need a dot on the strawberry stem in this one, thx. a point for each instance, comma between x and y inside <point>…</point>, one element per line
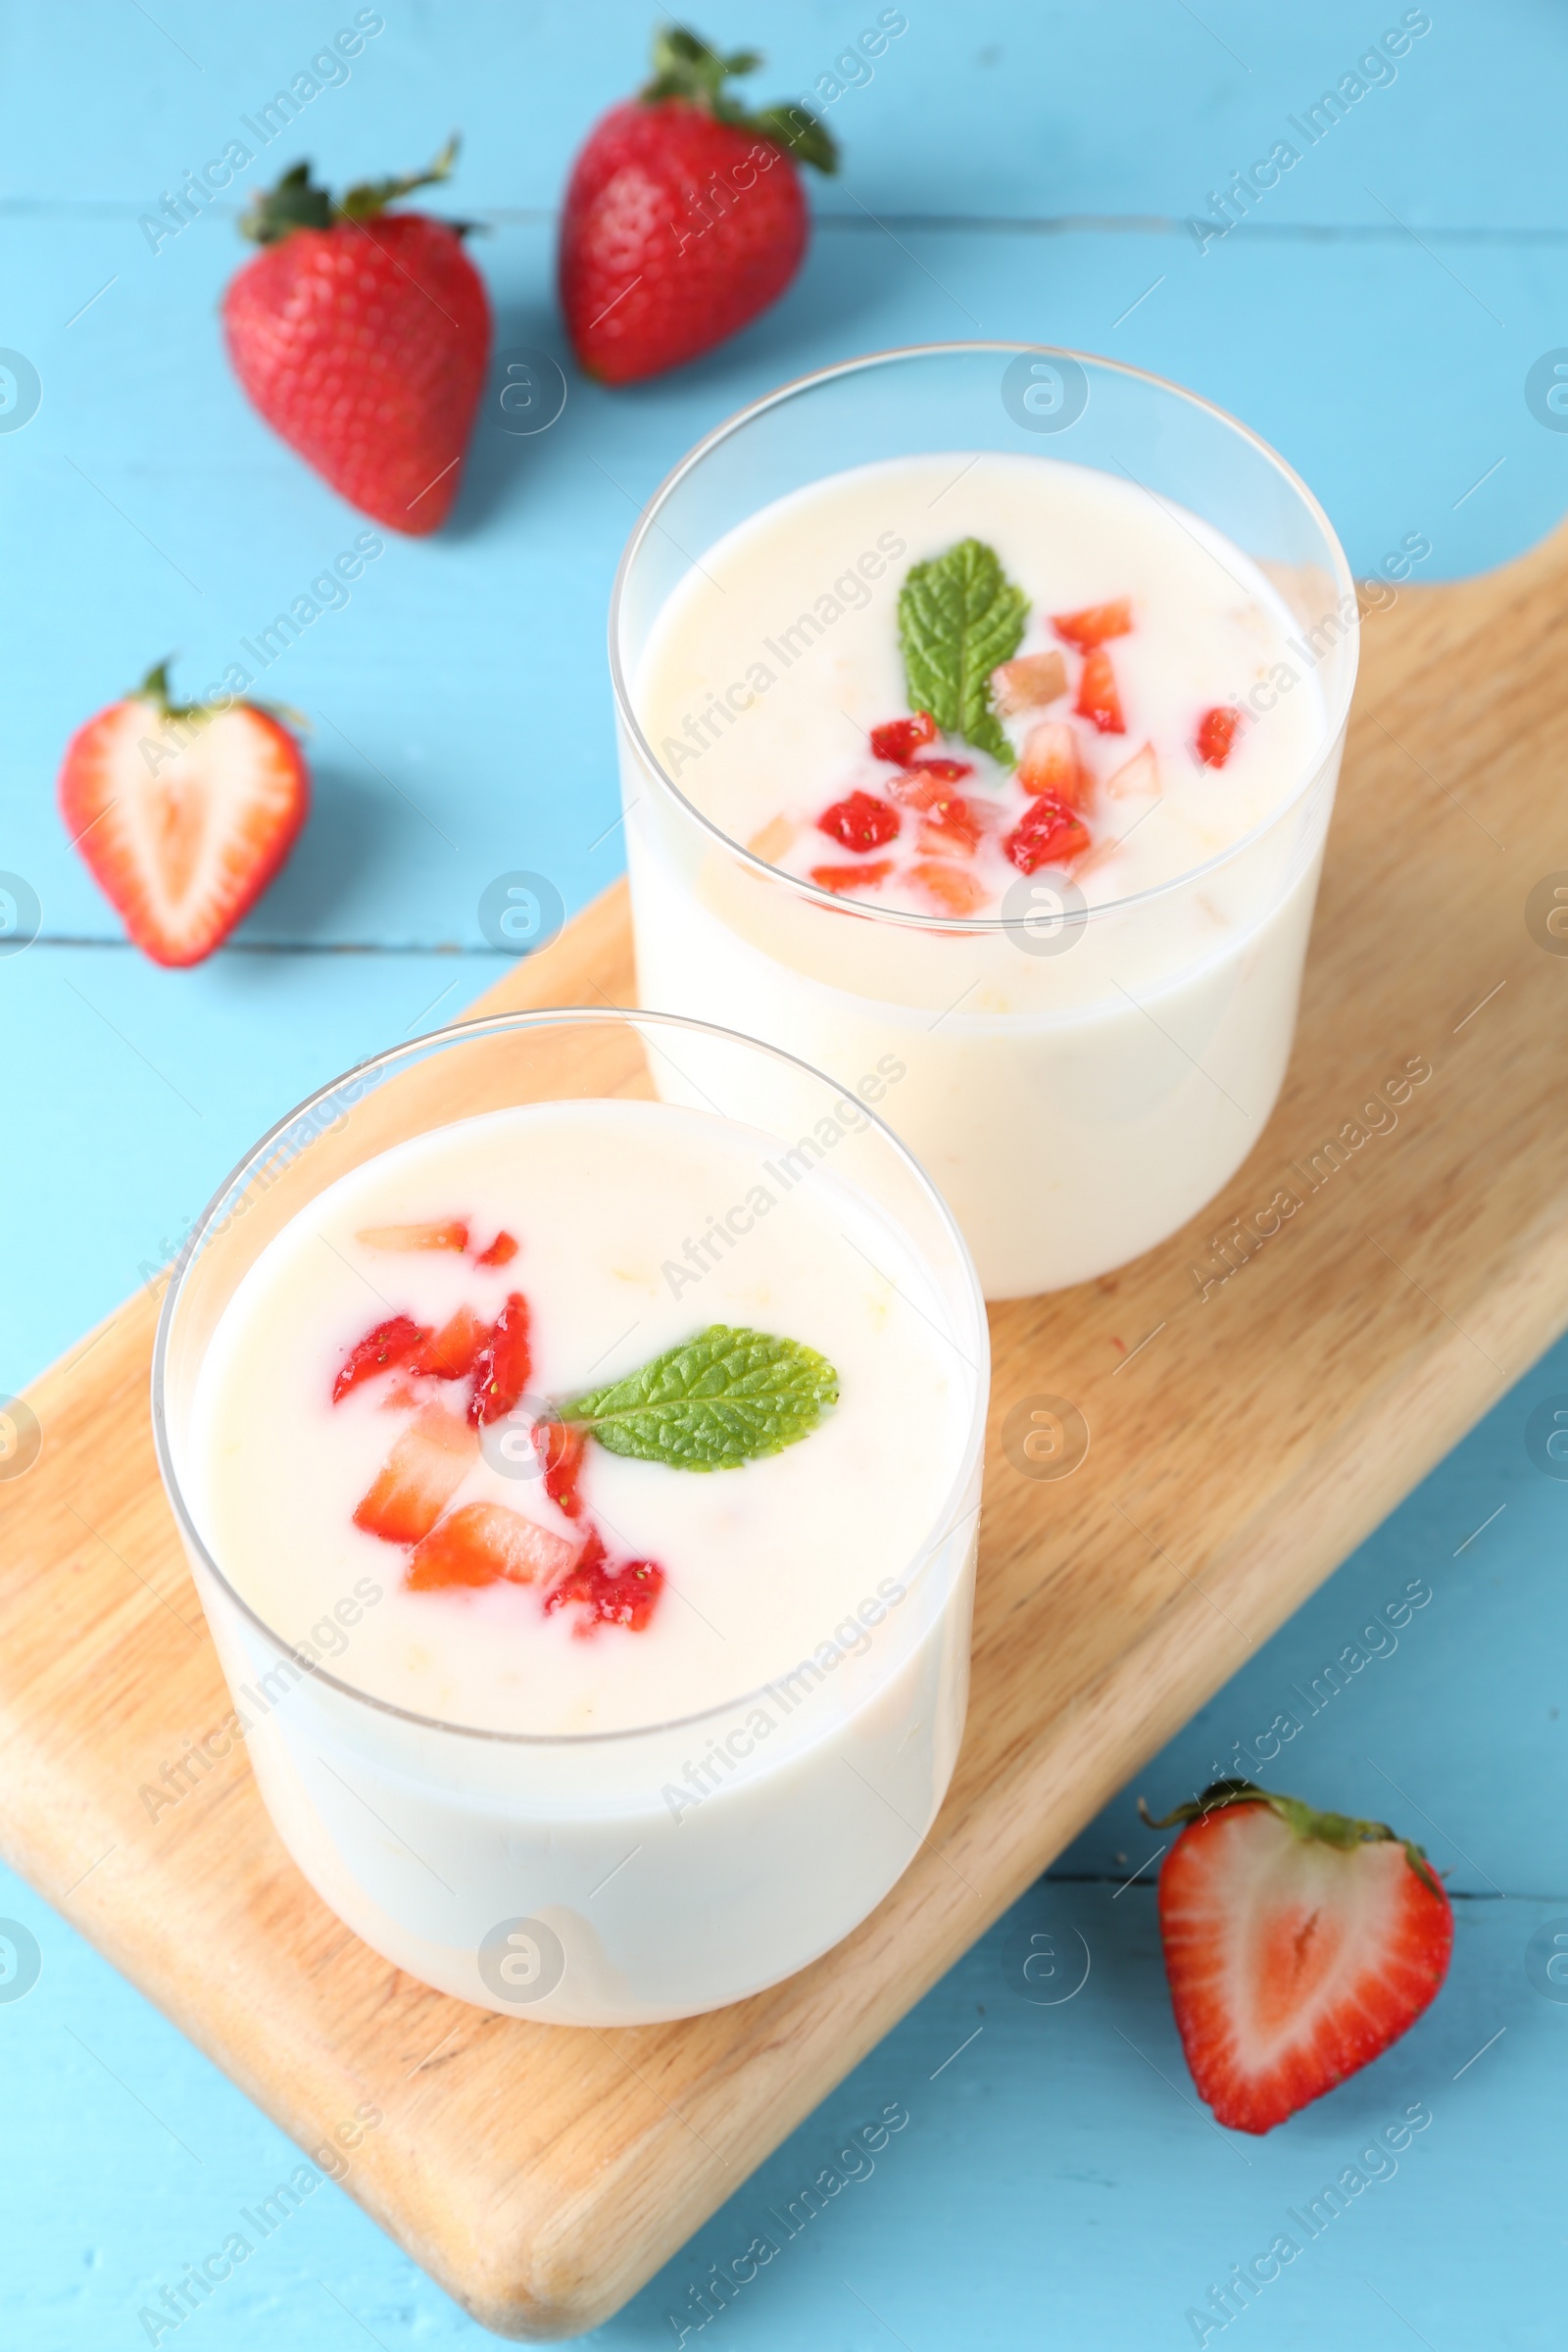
<point>1340,1830</point>
<point>298,203</point>
<point>687,69</point>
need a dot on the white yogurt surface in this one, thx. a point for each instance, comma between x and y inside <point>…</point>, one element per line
<point>610,1202</point>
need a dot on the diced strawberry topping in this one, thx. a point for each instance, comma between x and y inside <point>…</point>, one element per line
<point>1216,734</point>
<point>955,891</point>
<point>454,1234</point>
<point>925,781</point>
<point>1050,763</point>
<point>561,1447</point>
<point>1136,777</point>
<point>484,1542</point>
<point>1098,697</point>
<point>450,1354</point>
<point>608,1595</point>
<point>900,738</point>
<point>952,826</point>
<point>860,822</point>
<point>502,1364</point>
<point>500,1252</point>
<point>390,1342</point>
<point>1049,833</point>
<point>1028,684</point>
<point>852,877</point>
<point>422,1472</point>
<point>1095,623</point>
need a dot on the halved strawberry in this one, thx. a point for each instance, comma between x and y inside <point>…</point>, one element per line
<point>1094,623</point>
<point>450,1353</point>
<point>1098,697</point>
<point>422,1472</point>
<point>502,1366</point>
<point>1049,833</point>
<point>1217,731</point>
<point>841,878</point>
<point>500,1252</point>
<point>955,891</point>
<point>900,738</point>
<point>390,1342</point>
<point>1299,1945</point>
<point>1050,763</point>
<point>484,1542</point>
<point>1028,684</point>
<point>452,1235</point>
<point>608,1595</point>
<point>860,823</point>
<point>561,1447</point>
<point>184,813</point>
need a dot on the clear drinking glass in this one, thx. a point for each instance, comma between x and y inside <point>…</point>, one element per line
<point>554,1877</point>
<point>1079,1080</point>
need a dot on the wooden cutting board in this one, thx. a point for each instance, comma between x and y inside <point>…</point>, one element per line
<point>1248,1424</point>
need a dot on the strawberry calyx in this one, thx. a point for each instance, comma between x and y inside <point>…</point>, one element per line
<point>296,202</point>
<point>687,69</point>
<point>1339,1829</point>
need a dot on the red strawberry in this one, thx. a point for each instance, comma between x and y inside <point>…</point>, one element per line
<point>502,1366</point>
<point>1299,1945</point>
<point>900,738</point>
<point>362,336</point>
<point>684,215</point>
<point>1098,697</point>
<point>1029,683</point>
<point>1047,834</point>
<point>500,1252</point>
<point>1049,762</point>
<point>390,1342</point>
<point>451,1354</point>
<point>953,890</point>
<point>1094,624</point>
<point>483,1543</point>
<point>860,822</point>
<point>952,826</point>
<point>839,879</point>
<point>184,813</point>
<point>608,1595</point>
<point>1216,734</point>
<point>453,1234</point>
<point>560,1447</point>
<point>422,1472</point>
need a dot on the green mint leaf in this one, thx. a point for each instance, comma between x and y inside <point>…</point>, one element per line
<point>717,1400</point>
<point>958,617</point>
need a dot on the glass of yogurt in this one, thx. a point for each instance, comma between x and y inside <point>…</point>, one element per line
<point>981,707</point>
<point>581,1486</point>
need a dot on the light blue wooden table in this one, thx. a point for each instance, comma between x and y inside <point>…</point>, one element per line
<point>1012,170</point>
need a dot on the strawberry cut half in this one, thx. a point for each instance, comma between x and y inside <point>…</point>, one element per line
<point>182,814</point>
<point>1094,624</point>
<point>452,1235</point>
<point>607,1595</point>
<point>1298,1945</point>
<point>500,1252</point>
<point>1217,731</point>
<point>422,1472</point>
<point>1098,697</point>
<point>1049,833</point>
<point>449,1354</point>
<point>899,739</point>
<point>502,1364</point>
<point>390,1343</point>
<point>860,823</point>
<point>561,1447</point>
<point>486,1543</point>
<point>839,879</point>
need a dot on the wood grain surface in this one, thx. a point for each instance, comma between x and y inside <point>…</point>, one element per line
<point>1249,1423</point>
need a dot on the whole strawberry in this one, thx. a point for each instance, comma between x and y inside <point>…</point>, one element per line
<point>362,336</point>
<point>1297,1947</point>
<point>684,216</point>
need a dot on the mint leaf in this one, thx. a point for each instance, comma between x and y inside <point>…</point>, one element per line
<point>716,1401</point>
<point>958,617</point>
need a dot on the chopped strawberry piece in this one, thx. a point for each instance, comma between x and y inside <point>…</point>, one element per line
<point>1098,697</point>
<point>955,891</point>
<point>1094,624</point>
<point>852,877</point>
<point>483,1544</point>
<point>900,738</point>
<point>952,826</point>
<point>1050,763</point>
<point>422,1472</point>
<point>561,1447</point>
<point>926,781</point>
<point>1029,683</point>
<point>454,1234</point>
<point>860,822</point>
<point>608,1595</point>
<point>1216,734</point>
<point>1049,833</point>
<point>390,1342</point>
<point>1136,777</point>
<point>450,1354</point>
<point>502,1366</point>
<point>500,1252</point>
